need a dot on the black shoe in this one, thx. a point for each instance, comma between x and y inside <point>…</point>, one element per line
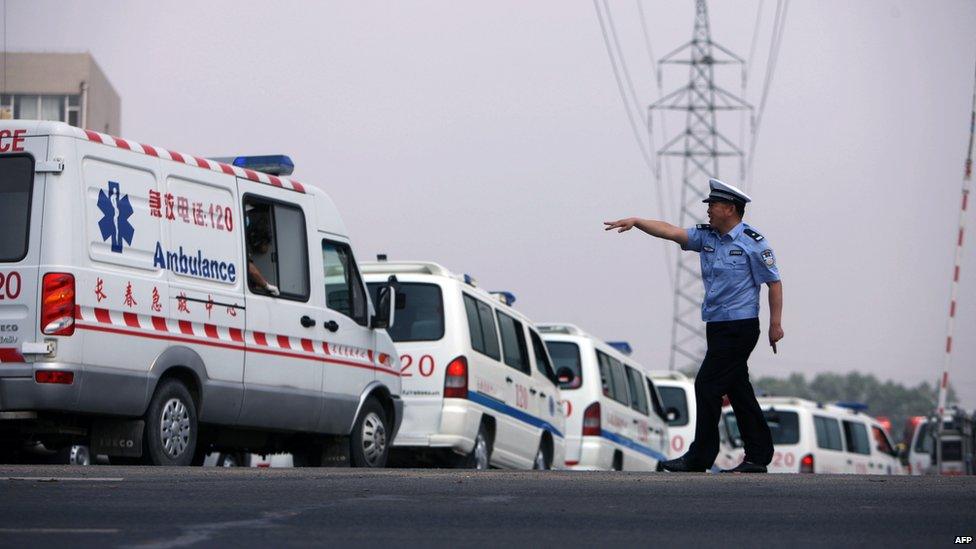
<point>681,465</point>
<point>746,467</point>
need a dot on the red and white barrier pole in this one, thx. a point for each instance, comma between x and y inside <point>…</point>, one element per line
<point>954,288</point>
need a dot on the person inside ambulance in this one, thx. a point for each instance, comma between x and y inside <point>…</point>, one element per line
<point>258,246</point>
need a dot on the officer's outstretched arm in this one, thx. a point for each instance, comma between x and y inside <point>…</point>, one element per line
<point>652,227</point>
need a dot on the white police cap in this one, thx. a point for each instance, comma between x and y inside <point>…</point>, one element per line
<point>724,192</point>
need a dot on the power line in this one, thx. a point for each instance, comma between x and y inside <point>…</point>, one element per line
<point>620,88</point>
<point>626,102</point>
<point>776,40</point>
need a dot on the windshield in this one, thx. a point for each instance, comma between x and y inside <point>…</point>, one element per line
<point>674,397</point>
<point>923,443</point>
<point>419,312</point>
<point>16,182</point>
<point>566,355</point>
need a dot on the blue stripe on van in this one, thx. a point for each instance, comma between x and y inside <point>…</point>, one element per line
<point>499,406</point>
<point>624,441</point>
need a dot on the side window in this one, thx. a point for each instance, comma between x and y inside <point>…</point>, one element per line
<point>638,398</point>
<point>481,326</point>
<point>828,433</point>
<point>513,343</point>
<point>277,249</point>
<point>489,331</point>
<point>474,324</point>
<point>621,391</point>
<point>675,397</point>
<point>606,381</point>
<point>655,400</point>
<point>542,362</point>
<point>856,436</point>
<point>344,292</point>
<point>881,441</point>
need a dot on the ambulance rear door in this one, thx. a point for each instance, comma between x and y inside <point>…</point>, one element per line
<point>23,176</point>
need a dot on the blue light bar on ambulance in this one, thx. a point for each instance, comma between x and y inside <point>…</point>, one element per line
<point>856,406</point>
<point>621,346</point>
<point>273,164</point>
<point>508,298</point>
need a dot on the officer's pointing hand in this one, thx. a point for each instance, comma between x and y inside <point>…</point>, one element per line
<point>621,224</point>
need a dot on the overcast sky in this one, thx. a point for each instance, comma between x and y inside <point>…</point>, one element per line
<point>490,137</point>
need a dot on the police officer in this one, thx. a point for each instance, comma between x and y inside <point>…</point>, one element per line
<point>735,261</point>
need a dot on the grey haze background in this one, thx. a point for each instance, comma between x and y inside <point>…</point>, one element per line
<point>490,137</point>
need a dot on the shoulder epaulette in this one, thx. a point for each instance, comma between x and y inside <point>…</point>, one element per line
<point>753,234</point>
<point>704,226</point>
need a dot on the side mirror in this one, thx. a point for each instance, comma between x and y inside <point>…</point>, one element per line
<point>565,376</point>
<point>672,415</point>
<point>386,307</point>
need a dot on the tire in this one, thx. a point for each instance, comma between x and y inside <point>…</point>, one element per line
<point>370,440</point>
<point>541,461</point>
<point>618,462</point>
<point>171,426</point>
<point>79,455</point>
<point>480,456</point>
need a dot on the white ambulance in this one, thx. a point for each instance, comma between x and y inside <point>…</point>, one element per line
<point>478,386</point>
<point>614,418</point>
<point>678,396</point>
<point>811,437</point>
<point>158,306</point>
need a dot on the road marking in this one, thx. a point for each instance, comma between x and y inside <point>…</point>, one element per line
<point>68,479</point>
<point>59,530</point>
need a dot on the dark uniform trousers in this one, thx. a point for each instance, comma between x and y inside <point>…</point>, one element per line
<point>725,372</point>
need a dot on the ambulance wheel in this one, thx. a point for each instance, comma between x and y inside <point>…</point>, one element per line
<point>370,441</point>
<point>480,456</point>
<point>171,426</point>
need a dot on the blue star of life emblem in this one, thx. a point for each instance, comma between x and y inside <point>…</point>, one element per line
<point>114,223</point>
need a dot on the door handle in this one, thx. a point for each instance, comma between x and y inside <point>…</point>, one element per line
<point>849,462</point>
<point>533,391</point>
<point>508,380</point>
<point>543,395</point>
<point>635,421</point>
<point>307,322</point>
<point>331,325</point>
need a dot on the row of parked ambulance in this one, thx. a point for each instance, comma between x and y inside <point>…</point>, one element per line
<point>158,307</point>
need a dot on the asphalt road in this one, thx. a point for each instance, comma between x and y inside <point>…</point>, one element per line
<point>207,507</point>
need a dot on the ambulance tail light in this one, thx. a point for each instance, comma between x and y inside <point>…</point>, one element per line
<point>456,379</point>
<point>806,464</point>
<point>591,420</point>
<point>58,304</point>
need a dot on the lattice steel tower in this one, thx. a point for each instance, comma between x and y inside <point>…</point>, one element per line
<point>703,148</point>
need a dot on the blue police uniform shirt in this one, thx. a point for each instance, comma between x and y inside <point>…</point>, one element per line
<point>734,266</point>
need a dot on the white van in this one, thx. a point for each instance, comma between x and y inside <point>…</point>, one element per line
<point>811,437</point>
<point>478,386</point>
<point>921,452</point>
<point>678,395</point>
<point>614,418</point>
<point>158,306</point>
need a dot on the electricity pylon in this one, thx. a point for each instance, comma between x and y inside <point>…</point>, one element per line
<point>702,148</point>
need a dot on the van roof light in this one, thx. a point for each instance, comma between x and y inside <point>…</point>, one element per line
<point>621,346</point>
<point>470,280</point>
<point>508,298</point>
<point>273,164</point>
<point>855,406</point>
